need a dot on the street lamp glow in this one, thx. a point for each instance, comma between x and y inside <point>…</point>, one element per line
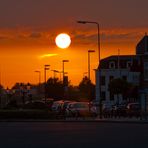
<point>63,40</point>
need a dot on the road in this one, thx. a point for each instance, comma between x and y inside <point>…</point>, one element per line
<point>73,135</point>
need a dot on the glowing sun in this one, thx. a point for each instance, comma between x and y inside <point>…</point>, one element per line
<point>63,40</point>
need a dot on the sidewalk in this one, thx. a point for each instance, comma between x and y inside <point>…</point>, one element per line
<point>123,120</point>
<point>97,119</point>
<point>109,120</point>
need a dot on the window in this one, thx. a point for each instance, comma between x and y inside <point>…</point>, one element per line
<point>124,78</point>
<point>136,78</point>
<point>103,95</point>
<point>112,64</point>
<point>102,80</point>
<point>111,78</point>
<point>111,96</point>
<point>128,64</point>
<point>145,70</point>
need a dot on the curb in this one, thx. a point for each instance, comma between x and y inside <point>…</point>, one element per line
<point>79,121</point>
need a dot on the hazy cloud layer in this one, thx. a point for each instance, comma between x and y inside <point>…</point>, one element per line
<point>35,35</point>
<point>50,13</point>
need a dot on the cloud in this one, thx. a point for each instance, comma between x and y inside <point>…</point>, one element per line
<point>108,35</point>
<point>122,36</point>
<point>3,37</point>
<point>35,35</point>
<point>48,55</point>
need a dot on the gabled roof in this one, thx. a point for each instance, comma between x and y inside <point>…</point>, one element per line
<point>142,46</point>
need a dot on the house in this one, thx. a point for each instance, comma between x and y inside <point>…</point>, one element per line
<point>133,68</point>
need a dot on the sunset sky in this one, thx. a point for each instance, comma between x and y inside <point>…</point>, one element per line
<point>28,29</point>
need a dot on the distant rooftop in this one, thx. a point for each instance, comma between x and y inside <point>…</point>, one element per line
<point>123,59</point>
<point>142,46</point>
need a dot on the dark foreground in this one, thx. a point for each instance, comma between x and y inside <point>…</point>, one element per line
<point>73,135</point>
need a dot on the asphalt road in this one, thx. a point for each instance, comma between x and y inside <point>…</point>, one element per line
<point>73,135</point>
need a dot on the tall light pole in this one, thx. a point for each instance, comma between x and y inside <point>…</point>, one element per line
<point>39,87</point>
<point>65,81</point>
<point>39,72</point>
<point>54,73</point>
<point>63,68</point>
<point>98,29</point>
<point>89,51</point>
<point>46,67</point>
<point>60,72</point>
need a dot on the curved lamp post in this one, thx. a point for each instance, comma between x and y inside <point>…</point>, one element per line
<point>98,28</point>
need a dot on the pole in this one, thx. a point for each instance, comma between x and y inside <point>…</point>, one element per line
<point>88,65</point>
<point>99,59</point>
<point>45,83</point>
<point>46,67</point>
<point>63,71</point>
<point>63,68</point>
<point>89,51</point>
<point>39,78</point>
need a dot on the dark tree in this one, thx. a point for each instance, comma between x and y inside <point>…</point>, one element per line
<point>55,88</point>
<point>119,86</point>
<point>87,88</point>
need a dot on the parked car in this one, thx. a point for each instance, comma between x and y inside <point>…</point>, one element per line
<point>119,110</point>
<point>133,109</point>
<point>68,110</point>
<point>49,102</point>
<point>64,106</point>
<point>35,105</point>
<point>57,106</point>
<point>12,105</point>
<point>106,110</point>
<point>78,109</point>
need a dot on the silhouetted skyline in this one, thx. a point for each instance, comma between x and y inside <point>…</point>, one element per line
<point>28,30</point>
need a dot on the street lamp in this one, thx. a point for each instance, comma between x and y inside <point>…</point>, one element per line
<point>63,68</point>
<point>89,51</point>
<point>54,73</point>
<point>98,28</point>
<point>65,81</point>
<point>39,86</point>
<point>46,67</point>
<point>39,72</point>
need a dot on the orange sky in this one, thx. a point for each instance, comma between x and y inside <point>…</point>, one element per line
<point>21,50</point>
